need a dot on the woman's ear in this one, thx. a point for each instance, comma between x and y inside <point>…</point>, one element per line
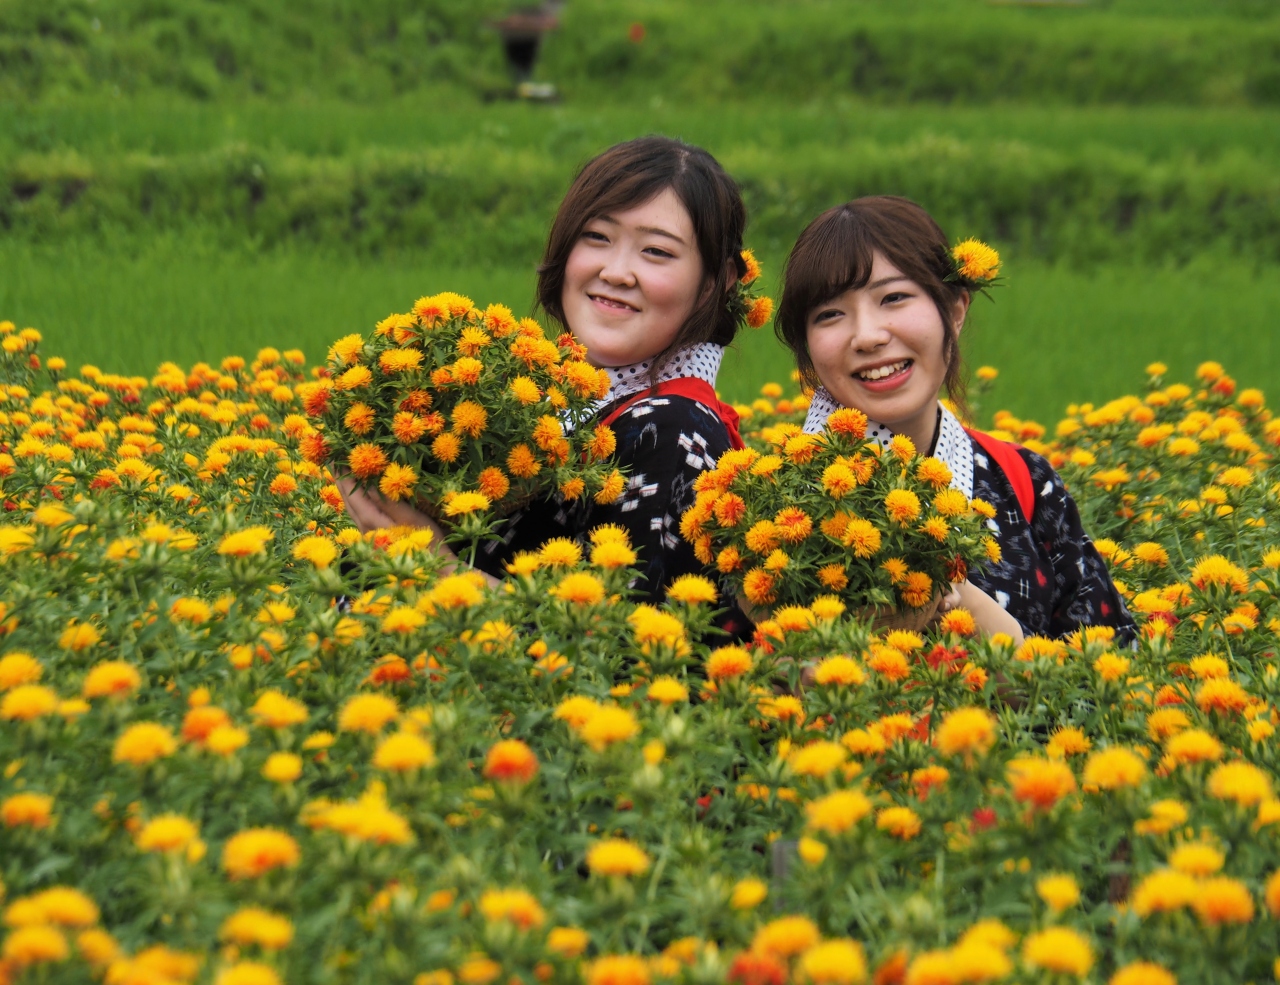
<point>960,310</point>
<point>730,275</point>
<point>730,280</point>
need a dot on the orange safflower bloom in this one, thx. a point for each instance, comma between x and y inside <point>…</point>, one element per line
<point>510,761</point>
<point>366,460</point>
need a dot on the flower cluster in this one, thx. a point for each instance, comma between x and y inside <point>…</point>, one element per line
<point>746,303</point>
<point>808,515</point>
<point>462,410</point>
<point>209,772</point>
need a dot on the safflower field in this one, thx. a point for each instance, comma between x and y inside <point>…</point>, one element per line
<point>214,772</point>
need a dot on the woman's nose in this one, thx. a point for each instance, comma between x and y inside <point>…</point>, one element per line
<point>869,334</point>
<point>617,269</point>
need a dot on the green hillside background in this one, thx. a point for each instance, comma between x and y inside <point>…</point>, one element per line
<point>183,179</point>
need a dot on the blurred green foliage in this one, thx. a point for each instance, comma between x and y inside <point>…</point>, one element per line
<point>1192,52</point>
<point>202,49</point>
<point>479,199</point>
<point>925,50</point>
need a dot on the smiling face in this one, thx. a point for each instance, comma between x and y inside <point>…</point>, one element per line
<point>880,348</point>
<point>632,280</point>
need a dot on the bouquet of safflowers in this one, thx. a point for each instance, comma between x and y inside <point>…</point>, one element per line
<point>832,513</point>
<point>463,412</point>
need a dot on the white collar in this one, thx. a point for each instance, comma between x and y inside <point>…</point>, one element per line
<point>701,361</point>
<point>953,445</point>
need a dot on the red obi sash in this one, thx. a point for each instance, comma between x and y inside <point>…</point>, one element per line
<point>695,389</point>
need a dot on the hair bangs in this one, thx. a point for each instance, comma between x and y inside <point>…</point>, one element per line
<point>840,259</point>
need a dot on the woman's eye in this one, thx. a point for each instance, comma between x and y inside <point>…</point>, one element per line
<point>595,236</point>
<point>659,252</point>
<point>893,297</point>
<point>825,316</point>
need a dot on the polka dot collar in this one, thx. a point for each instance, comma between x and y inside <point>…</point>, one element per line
<point>699,361</point>
<point>953,444</point>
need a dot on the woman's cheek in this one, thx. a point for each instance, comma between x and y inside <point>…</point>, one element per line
<point>821,351</point>
<point>665,292</point>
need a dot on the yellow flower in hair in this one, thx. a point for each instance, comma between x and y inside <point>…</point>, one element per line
<point>976,261</point>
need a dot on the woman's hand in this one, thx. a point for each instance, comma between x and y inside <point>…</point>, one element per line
<point>370,510</point>
<point>986,611</point>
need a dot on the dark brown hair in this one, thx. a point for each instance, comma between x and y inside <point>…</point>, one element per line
<point>631,174</point>
<point>834,254</point>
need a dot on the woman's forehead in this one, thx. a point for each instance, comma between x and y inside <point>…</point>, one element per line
<point>881,273</point>
<point>661,213</point>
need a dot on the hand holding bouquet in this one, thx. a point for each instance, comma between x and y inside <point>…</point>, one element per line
<point>468,414</point>
<point>834,514</point>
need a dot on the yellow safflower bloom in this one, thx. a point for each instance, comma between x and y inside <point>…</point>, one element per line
<point>112,678</point>
<point>834,962</point>
<point>144,743</point>
<point>965,731</point>
<point>166,833</point>
<point>282,767</point>
<point>607,725</point>
<point>245,543</point>
<point>786,936</point>
<point>256,851</point>
<point>254,925</point>
<point>402,752</point>
<point>27,702</point>
<point>367,713</point>
<point>1058,949</point>
<point>1111,769</point>
<point>837,812</point>
<point>616,857</point>
<point>748,893</point>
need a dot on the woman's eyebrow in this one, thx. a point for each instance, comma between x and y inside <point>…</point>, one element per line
<point>886,280</point>
<point>651,230</point>
<point>658,231</point>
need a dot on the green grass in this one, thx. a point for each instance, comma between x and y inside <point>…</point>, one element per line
<point>1209,52</point>
<point>1056,335</point>
<point>1094,182</point>
<point>163,126</point>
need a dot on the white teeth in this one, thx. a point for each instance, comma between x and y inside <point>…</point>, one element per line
<point>880,372</point>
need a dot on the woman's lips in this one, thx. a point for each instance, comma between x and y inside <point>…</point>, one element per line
<point>887,383</point>
<point>610,304</point>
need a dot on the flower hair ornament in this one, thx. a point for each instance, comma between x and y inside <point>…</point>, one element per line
<point>975,266</point>
<point>748,306</point>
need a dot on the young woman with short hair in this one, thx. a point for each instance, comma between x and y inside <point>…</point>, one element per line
<point>872,309</point>
<point>642,265</point>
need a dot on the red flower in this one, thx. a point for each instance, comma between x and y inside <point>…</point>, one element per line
<point>757,969</point>
<point>940,656</point>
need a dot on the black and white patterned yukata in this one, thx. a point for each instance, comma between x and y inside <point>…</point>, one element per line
<point>664,443</point>
<point>1050,577</point>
